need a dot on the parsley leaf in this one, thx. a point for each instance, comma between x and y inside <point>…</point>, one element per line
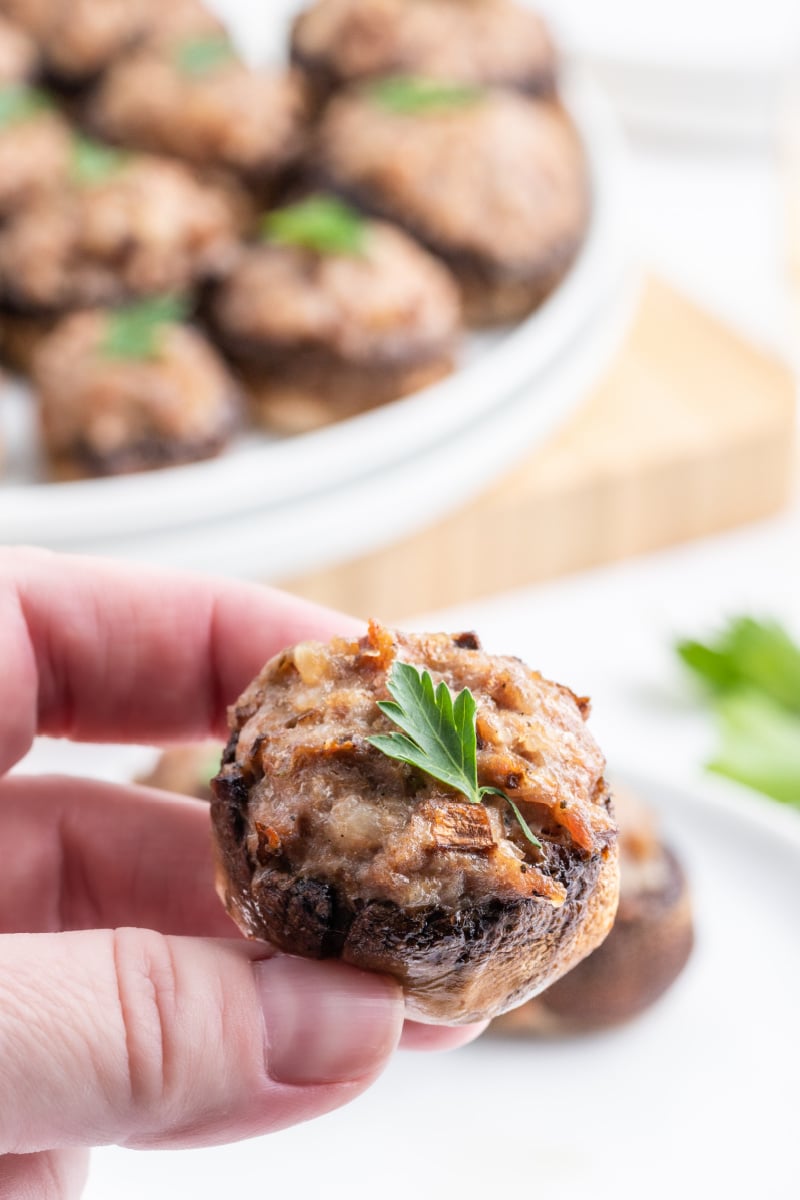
<point>439,735</point>
<point>752,670</point>
<point>415,94</point>
<point>759,745</point>
<point>752,653</point>
<point>93,162</point>
<point>323,224</point>
<point>135,331</point>
<point>200,56</point>
<point>19,102</point>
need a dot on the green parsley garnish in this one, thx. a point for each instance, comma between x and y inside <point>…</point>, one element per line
<point>752,673</point>
<point>759,654</point>
<point>135,332</point>
<point>19,102</point>
<point>759,745</point>
<point>93,162</point>
<point>439,734</point>
<point>414,94</point>
<point>323,224</point>
<point>202,55</point>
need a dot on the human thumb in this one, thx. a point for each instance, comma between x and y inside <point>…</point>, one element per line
<point>133,1037</point>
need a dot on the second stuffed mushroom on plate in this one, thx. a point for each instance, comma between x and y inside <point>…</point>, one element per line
<point>493,182</point>
<point>131,389</point>
<point>365,315</point>
<point>195,98</point>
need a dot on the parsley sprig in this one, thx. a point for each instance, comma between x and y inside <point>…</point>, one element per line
<point>751,670</point>
<point>323,224</point>
<point>199,56</point>
<point>439,735</point>
<point>93,162</point>
<point>20,102</point>
<point>135,332</point>
<point>749,652</point>
<point>416,94</point>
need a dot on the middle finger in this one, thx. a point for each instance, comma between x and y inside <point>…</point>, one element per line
<point>79,854</point>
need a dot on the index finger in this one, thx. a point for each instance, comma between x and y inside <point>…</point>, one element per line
<point>97,650</point>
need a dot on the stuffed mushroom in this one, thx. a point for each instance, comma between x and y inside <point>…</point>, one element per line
<point>365,316</point>
<point>476,893</point>
<point>337,42</point>
<point>35,146</point>
<point>79,39</point>
<point>129,390</point>
<point>491,181</point>
<point>196,99</point>
<point>121,230</point>
<point>648,947</point>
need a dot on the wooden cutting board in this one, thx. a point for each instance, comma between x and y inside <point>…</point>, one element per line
<point>691,432</point>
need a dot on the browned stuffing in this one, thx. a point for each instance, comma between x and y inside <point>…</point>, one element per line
<point>351,330</point>
<point>251,122</point>
<point>104,415</point>
<point>77,39</point>
<point>150,228</point>
<point>510,203</point>
<point>34,159</point>
<point>483,41</point>
<point>330,847</point>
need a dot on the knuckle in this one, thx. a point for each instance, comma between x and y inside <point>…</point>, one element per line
<point>147,986</point>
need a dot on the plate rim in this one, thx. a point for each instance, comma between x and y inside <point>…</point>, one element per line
<point>138,504</point>
<point>721,796</point>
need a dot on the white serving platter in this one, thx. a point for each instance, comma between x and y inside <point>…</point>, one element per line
<point>260,478</point>
<point>696,70</point>
<point>696,1097</point>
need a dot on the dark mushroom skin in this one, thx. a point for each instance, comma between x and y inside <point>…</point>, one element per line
<point>645,952</point>
<point>499,42</point>
<point>511,204</point>
<point>328,848</point>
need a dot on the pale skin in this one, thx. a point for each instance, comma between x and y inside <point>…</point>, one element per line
<point>136,1015</point>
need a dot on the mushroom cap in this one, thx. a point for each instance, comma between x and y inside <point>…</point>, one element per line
<point>328,848</point>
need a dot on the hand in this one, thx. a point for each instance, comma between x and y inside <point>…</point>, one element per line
<point>149,1023</point>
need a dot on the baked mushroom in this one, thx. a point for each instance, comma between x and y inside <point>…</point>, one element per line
<point>130,390</point>
<point>475,893</point>
<point>493,182</point>
<point>185,770</point>
<point>122,228</point>
<point>35,146</point>
<point>196,99</point>
<point>645,952</point>
<point>337,42</point>
<point>79,39</point>
<point>365,316</point>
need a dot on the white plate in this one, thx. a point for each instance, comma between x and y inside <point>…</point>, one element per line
<point>373,510</point>
<point>697,1097</point>
<point>687,68</point>
<point>258,474</point>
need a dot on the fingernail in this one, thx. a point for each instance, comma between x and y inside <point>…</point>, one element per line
<point>326,1022</point>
